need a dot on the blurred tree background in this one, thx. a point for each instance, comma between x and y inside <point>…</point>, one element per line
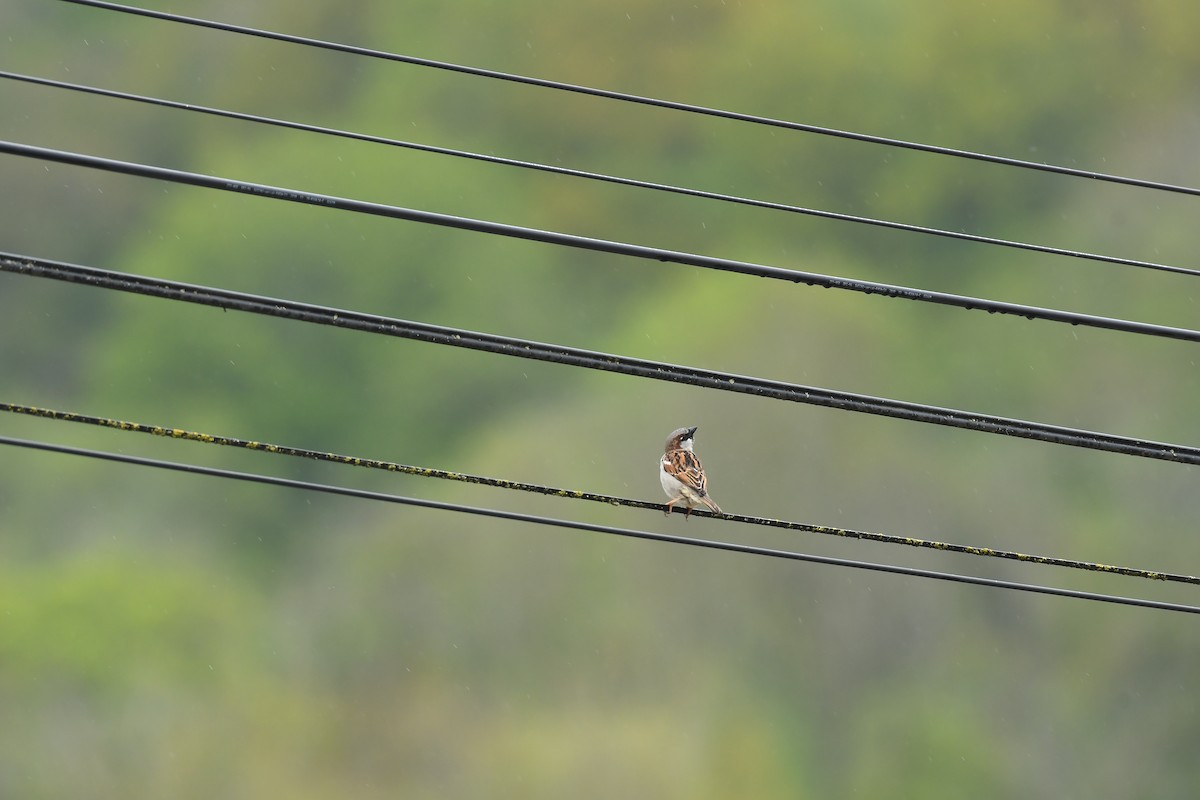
<point>166,635</point>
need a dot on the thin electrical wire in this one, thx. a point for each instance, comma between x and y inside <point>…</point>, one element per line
<point>613,179</point>
<point>573,494</point>
<point>666,538</point>
<point>540,351</point>
<point>588,243</point>
<point>635,99</point>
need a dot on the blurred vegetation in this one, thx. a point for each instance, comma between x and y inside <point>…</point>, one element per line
<point>163,635</point>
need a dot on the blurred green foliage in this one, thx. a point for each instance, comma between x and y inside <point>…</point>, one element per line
<point>162,635</point>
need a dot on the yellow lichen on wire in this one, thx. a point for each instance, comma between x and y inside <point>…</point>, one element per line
<point>574,494</point>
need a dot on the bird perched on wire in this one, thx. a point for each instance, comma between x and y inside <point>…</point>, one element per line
<point>682,476</point>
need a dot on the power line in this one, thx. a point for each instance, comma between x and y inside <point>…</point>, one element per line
<point>636,99</point>
<point>560,354</point>
<point>592,244</point>
<point>596,176</point>
<point>520,486</point>
<point>605,529</point>
<point>718,545</point>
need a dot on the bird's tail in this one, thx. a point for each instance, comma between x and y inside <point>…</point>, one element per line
<point>713,507</point>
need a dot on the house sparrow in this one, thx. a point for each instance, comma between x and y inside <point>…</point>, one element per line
<point>681,474</point>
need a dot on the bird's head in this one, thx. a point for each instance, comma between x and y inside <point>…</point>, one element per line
<point>681,439</point>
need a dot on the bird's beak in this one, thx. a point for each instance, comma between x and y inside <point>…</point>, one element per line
<point>692,431</point>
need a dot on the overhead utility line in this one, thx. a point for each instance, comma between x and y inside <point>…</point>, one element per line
<point>632,98</point>
<point>572,494</point>
<point>597,176</point>
<point>588,243</point>
<point>559,354</point>
<point>666,538</point>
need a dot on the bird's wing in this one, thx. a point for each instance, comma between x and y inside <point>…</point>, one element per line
<point>685,467</point>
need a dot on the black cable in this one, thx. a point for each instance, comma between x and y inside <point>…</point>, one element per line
<point>588,243</point>
<point>559,354</point>
<point>614,179</point>
<point>587,526</point>
<point>625,502</point>
<point>632,98</point>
